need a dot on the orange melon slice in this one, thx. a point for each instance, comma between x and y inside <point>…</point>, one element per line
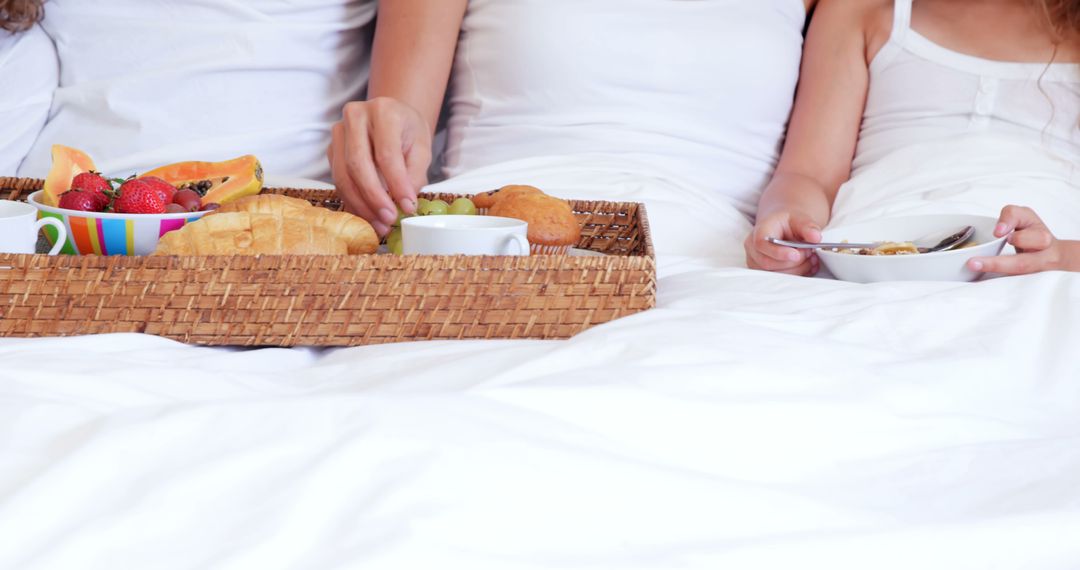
<point>218,182</point>
<point>67,163</point>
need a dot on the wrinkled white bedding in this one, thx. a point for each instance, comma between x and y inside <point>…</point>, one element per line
<point>750,421</point>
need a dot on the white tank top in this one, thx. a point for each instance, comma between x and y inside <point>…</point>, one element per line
<point>696,91</point>
<point>921,91</point>
<point>148,83</point>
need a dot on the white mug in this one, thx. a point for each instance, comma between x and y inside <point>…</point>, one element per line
<point>463,235</point>
<point>19,228</point>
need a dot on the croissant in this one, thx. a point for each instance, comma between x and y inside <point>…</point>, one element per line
<point>243,233</point>
<point>359,236</point>
<point>265,204</point>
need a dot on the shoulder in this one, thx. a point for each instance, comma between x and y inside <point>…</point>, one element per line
<point>864,13</point>
<point>869,21</point>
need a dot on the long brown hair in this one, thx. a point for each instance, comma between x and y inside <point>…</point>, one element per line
<point>1063,17</point>
<point>20,15</point>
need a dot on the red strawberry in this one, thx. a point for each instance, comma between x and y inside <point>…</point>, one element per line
<point>80,201</point>
<point>167,190</point>
<point>94,184</point>
<point>138,197</point>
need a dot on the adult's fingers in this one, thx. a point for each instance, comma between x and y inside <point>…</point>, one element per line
<point>388,149</point>
<point>343,183</point>
<point>1019,264</point>
<point>350,194</point>
<point>1031,239</point>
<point>417,162</point>
<point>360,164</point>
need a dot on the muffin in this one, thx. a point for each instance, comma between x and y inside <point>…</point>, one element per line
<point>553,229</point>
<point>485,200</point>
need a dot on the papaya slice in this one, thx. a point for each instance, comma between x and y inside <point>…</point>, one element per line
<point>216,182</point>
<point>67,163</point>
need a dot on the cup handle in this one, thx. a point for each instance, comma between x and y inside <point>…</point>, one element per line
<point>522,244</point>
<point>61,233</point>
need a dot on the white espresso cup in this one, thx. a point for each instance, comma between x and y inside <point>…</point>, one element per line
<point>463,235</point>
<point>19,228</point>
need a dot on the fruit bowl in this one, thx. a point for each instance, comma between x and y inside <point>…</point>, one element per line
<point>108,233</point>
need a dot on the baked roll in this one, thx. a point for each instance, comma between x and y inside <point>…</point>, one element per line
<point>359,236</point>
<point>243,233</point>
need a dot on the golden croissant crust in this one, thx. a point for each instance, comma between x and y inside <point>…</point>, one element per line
<point>265,204</point>
<point>243,233</point>
<point>358,235</point>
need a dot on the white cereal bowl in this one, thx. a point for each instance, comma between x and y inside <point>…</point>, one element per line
<point>941,266</point>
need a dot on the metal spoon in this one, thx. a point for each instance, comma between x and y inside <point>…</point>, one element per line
<point>939,241</point>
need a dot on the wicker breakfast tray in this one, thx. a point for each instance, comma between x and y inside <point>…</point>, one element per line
<point>334,300</point>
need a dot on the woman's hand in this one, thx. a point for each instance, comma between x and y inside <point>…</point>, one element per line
<point>763,254</point>
<point>379,154</point>
<point>381,149</point>
<point>1036,248</point>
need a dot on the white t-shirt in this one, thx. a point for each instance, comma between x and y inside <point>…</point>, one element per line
<point>696,92</point>
<point>148,83</point>
<point>30,73</point>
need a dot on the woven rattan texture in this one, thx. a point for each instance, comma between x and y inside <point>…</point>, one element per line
<point>334,300</point>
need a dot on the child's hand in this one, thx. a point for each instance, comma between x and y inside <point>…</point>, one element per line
<point>762,254</point>
<point>1037,249</point>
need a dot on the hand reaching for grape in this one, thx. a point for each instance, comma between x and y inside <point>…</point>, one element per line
<point>379,155</point>
<point>763,254</point>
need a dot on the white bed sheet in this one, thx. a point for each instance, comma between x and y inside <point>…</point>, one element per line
<point>750,421</point>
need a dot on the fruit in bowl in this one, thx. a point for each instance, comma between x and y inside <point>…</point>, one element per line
<point>214,182</point>
<point>107,216</point>
<point>938,266</point>
<point>110,233</point>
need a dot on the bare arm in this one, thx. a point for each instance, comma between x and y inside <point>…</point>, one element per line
<point>821,137</point>
<point>414,50</point>
<point>381,149</point>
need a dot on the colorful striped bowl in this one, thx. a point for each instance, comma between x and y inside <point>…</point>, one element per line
<point>92,233</point>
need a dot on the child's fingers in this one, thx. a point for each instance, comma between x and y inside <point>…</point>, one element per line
<point>1019,264</point>
<point>804,269</point>
<point>805,229</point>
<point>1016,217</point>
<point>1031,239</point>
<point>768,249</point>
<point>758,260</point>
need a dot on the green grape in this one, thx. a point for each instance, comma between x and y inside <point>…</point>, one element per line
<point>393,241</point>
<point>463,207</point>
<point>401,216</point>
<point>433,208</point>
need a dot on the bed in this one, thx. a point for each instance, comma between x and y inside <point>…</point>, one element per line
<point>751,420</point>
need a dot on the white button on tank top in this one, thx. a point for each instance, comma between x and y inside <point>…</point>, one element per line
<point>698,91</point>
<point>921,92</point>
